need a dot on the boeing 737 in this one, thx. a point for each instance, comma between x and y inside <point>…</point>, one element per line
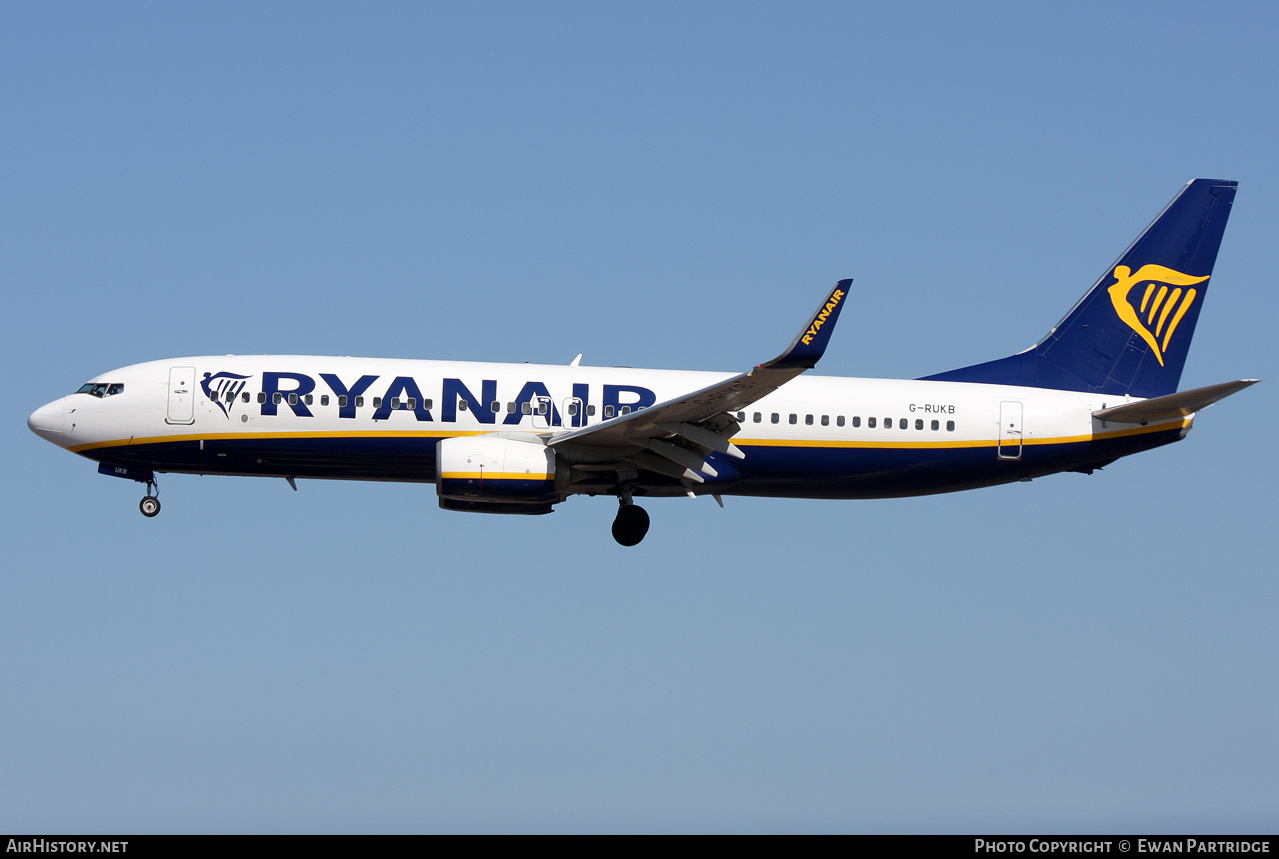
<point>520,438</point>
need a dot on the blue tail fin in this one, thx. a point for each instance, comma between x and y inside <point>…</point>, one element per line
<point>1130,333</point>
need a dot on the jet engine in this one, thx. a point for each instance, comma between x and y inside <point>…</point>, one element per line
<point>494,474</point>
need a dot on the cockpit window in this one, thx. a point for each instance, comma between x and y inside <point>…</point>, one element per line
<point>101,389</point>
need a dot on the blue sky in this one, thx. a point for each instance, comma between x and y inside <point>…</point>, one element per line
<point>667,185</point>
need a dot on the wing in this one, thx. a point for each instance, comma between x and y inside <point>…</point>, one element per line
<point>675,437</point>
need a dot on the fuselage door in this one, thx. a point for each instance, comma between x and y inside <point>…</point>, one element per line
<point>574,414</point>
<point>543,412</point>
<point>1010,430</point>
<point>181,396</point>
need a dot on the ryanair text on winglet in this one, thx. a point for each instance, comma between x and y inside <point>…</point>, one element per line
<point>822,316</point>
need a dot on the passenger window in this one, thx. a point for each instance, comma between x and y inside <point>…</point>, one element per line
<point>495,407</point>
<point>888,423</point>
<point>342,400</point>
<point>309,399</point>
<point>461,405</point>
<point>608,411</point>
<point>808,420</point>
<point>510,408</point>
<point>244,398</point>
<point>395,402</point>
<point>426,404</point>
<point>794,419</point>
<point>870,422</point>
<point>826,420</point>
<point>936,426</point>
<point>776,418</point>
<point>377,402</point>
<point>293,399</point>
<point>741,416</point>
<point>261,396</point>
<point>526,409</point>
<point>324,399</point>
<point>572,410</point>
<point>857,421</point>
<point>758,417</point>
<point>277,398</point>
<point>950,426</point>
<point>412,403</point>
<point>903,423</point>
<point>626,410</point>
<point>359,402</point>
<point>919,423</point>
<point>590,411</point>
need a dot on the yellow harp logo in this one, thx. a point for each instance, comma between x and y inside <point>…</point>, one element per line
<point>1162,302</point>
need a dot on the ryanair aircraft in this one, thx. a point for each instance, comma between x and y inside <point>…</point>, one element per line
<point>520,438</point>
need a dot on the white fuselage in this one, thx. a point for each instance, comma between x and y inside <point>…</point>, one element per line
<point>362,418</point>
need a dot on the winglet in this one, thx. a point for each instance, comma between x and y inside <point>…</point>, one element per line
<point>807,349</point>
<point>686,415</point>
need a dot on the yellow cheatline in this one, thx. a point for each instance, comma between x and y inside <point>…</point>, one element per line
<point>161,439</point>
<point>779,442</point>
<point>740,442</point>
<point>928,445</point>
<point>495,475</point>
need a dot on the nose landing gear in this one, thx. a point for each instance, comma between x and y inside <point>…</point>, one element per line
<point>150,505</point>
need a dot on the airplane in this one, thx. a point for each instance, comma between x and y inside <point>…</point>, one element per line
<point>520,438</point>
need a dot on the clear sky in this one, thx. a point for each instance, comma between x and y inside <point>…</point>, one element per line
<point>667,185</point>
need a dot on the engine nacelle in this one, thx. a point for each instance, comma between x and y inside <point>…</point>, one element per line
<point>490,474</point>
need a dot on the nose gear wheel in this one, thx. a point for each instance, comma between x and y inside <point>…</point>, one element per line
<point>150,504</point>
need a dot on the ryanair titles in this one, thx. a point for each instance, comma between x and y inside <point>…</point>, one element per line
<point>822,315</point>
<point>301,393</point>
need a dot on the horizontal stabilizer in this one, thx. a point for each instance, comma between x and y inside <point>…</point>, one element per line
<point>1174,405</point>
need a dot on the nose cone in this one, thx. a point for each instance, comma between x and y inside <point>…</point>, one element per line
<point>49,421</point>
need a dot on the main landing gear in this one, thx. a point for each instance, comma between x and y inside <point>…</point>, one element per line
<point>631,523</point>
<point>150,505</point>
